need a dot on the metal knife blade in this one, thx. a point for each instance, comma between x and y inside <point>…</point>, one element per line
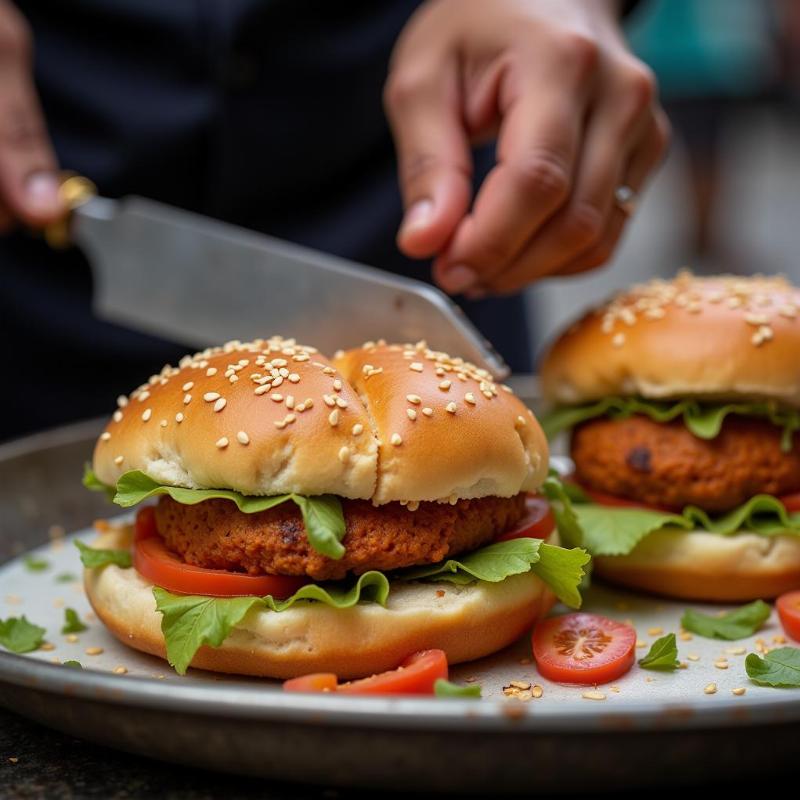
<point>201,281</point>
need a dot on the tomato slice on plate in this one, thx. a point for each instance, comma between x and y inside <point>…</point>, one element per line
<point>538,522</point>
<point>316,682</point>
<point>154,561</point>
<point>583,648</point>
<point>791,502</point>
<point>788,606</point>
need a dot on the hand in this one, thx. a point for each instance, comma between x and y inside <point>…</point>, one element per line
<point>575,115</point>
<point>28,170</point>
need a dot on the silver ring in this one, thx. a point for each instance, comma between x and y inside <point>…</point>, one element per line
<point>625,198</point>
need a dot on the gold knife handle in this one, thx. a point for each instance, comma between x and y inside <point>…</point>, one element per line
<point>75,190</point>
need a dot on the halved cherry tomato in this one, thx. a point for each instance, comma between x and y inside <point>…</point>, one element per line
<point>583,648</point>
<point>316,682</point>
<point>145,523</point>
<point>156,563</point>
<point>788,606</point>
<point>416,675</point>
<point>791,502</point>
<point>538,522</point>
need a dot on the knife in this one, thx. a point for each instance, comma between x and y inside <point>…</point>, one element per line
<point>200,281</point>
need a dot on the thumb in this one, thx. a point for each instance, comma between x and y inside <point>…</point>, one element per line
<point>433,155</point>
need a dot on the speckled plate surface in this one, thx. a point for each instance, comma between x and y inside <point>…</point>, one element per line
<point>649,727</point>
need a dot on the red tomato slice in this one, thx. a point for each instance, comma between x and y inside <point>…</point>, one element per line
<point>416,675</point>
<point>145,523</point>
<point>538,522</point>
<point>155,562</point>
<point>791,502</point>
<point>316,682</point>
<point>603,499</point>
<point>583,648</point>
<point>788,606</point>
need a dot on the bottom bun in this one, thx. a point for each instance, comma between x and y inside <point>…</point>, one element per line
<point>698,565</point>
<point>467,622</point>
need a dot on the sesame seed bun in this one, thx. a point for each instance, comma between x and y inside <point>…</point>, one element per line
<point>271,417</point>
<point>698,565</point>
<point>467,622</point>
<point>715,338</point>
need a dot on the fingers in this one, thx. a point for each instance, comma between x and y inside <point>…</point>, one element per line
<point>28,179</point>
<point>422,103</point>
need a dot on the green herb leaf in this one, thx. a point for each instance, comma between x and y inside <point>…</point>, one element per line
<point>94,484</point>
<point>372,587</point>
<point>663,654</point>
<point>445,688</point>
<point>704,420</point>
<point>322,515</point>
<point>72,664</point>
<point>563,571</point>
<point>33,564</point>
<point>737,624</point>
<point>72,622</point>
<point>569,528</point>
<point>20,636</point>
<point>92,557</point>
<point>66,577</point>
<point>780,667</point>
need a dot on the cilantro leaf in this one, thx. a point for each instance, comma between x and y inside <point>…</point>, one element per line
<point>735,624</point>
<point>780,667</point>
<point>72,664</point>
<point>20,636</point>
<point>92,557</point>
<point>66,577</point>
<point>445,688</point>
<point>33,564</point>
<point>322,515</point>
<point>663,654</point>
<point>72,622</point>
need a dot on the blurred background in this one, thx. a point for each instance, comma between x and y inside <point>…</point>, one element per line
<point>727,198</point>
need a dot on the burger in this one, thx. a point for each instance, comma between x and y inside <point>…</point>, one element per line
<point>300,514</point>
<point>682,399</point>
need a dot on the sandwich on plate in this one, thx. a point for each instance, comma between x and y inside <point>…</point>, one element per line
<point>682,401</point>
<point>299,514</point>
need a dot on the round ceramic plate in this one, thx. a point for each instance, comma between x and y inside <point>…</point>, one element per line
<point>648,727</point>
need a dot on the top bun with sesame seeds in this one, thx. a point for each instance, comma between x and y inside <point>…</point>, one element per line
<point>383,423</point>
<point>712,338</point>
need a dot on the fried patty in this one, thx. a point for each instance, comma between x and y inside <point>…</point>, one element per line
<point>663,464</point>
<point>216,535</point>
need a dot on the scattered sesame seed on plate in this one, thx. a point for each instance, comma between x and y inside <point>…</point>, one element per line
<point>711,688</point>
<point>93,651</point>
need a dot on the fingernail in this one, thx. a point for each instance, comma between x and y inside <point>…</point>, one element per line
<point>41,193</point>
<point>458,279</point>
<point>418,216</point>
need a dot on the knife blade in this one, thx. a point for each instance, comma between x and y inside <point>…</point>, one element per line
<point>201,281</point>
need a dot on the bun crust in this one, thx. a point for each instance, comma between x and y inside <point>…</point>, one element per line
<point>716,338</point>
<point>467,622</point>
<point>271,417</point>
<point>698,565</point>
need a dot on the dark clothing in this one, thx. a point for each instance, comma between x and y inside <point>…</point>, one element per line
<point>265,113</point>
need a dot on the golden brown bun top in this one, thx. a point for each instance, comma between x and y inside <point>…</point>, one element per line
<point>717,338</point>
<point>387,423</point>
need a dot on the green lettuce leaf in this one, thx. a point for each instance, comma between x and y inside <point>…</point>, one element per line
<point>372,586</point>
<point>91,557</point>
<point>559,568</point>
<point>94,484</point>
<point>569,528</point>
<point>445,688</point>
<point>33,564</point>
<point>322,516</point>
<point>736,624</point>
<point>72,622</point>
<point>612,531</point>
<point>663,654</point>
<point>780,667</point>
<point>20,636</point>
<point>704,420</point>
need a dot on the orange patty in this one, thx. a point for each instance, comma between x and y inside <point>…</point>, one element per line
<point>664,464</point>
<point>216,535</point>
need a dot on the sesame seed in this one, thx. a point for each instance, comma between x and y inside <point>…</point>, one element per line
<point>328,371</point>
<point>655,631</point>
<point>187,386</point>
<point>289,401</point>
<point>337,385</point>
<point>344,454</point>
<point>414,399</point>
<point>367,368</point>
<point>163,423</point>
<point>71,638</point>
<point>93,651</point>
<point>143,396</point>
<point>309,403</point>
<point>210,397</point>
<point>396,439</point>
<point>618,339</point>
<point>328,400</point>
<point>122,401</point>
<point>47,647</point>
<point>242,438</point>
<point>521,421</point>
<point>283,372</point>
<point>117,416</point>
<point>536,691</point>
<point>277,382</point>
<point>262,389</point>
<point>415,366</point>
<point>187,398</point>
<point>788,311</point>
<point>445,385</point>
<point>450,408</point>
<point>277,397</point>
<point>333,417</point>
<point>736,651</point>
<point>220,404</point>
<point>722,663</point>
<point>756,319</point>
<point>211,371</point>
<point>280,423</point>
<point>290,418</point>
<point>738,691</point>
<point>470,398</point>
<point>427,411</point>
<point>179,417</point>
<point>341,402</point>
<point>120,670</point>
<point>412,415</point>
<point>358,429</point>
<point>595,695</point>
<point>119,459</point>
<point>105,436</point>
<point>685,636</point>
<point>222,443</point>
<point>711,688</point>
